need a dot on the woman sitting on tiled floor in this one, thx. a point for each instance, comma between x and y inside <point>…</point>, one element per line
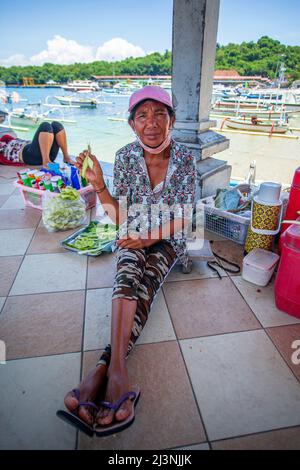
<point>150,171</point>
<point>43,149</point>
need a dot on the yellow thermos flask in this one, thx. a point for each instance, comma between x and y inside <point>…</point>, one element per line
<point>266,217</point>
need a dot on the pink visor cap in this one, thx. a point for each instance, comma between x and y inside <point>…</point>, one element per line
<point>150,92</point>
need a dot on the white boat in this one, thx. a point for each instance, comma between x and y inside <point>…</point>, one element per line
<point>290,99</point>
<point>115,92</point>
<point>270,114</point>
<point>75,101</point>
<point>3,116</point>
<point>26,117</point>
<point>81,85</point>
<point>267,127</point>
<point>234,104</point>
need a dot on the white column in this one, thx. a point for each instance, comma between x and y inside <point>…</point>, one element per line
<point>195,25</point>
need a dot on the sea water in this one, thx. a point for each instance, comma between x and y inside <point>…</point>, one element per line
<point>276,158</point>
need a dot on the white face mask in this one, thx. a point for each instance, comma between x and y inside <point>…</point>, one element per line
<point>155,150</point>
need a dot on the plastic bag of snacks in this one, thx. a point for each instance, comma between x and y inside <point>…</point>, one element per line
<point>63,211</point>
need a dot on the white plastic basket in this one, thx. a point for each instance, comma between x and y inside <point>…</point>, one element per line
<point>226,224</point>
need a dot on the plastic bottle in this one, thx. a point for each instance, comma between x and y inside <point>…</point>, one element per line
<point>75,179</point>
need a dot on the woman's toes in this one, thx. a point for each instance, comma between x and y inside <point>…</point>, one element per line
<point>84,414</point>
<point>124,411</point>
<point>70,402</point>
<point>105,417</point>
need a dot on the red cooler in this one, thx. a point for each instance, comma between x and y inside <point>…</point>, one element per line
<point>294,201</point>
<point>293,205</point>
<point>287,284</point>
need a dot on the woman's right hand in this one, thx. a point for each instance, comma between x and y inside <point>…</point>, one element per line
<point>94,175</point>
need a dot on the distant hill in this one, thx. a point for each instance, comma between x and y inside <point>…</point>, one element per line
<point>248,58</point>
<point>259,58</point>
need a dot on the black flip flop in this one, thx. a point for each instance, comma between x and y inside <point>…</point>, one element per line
<point>118,426</point>
<point>73,419</point>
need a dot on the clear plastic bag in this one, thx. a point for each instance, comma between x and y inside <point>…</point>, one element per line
<point>63,211</point>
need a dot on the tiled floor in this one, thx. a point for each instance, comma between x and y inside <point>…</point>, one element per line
<point>214,362</point>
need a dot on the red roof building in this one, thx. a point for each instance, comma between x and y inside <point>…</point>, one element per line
<point>229,76</point>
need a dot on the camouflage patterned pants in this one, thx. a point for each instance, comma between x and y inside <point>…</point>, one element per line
<point>140,274</point>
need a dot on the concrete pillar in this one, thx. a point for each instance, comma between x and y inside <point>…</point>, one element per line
<point>195,25</point>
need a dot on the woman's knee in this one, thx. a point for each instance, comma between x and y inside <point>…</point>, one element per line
<point>45,127</point>
<point>57,127</point>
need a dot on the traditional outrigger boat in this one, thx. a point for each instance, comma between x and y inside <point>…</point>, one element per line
<point>259,125</point>
<point>233,104</point>
<point>27,118</point>
<point>245,102</point>
<point>261,113</point>
<point>82,102</point>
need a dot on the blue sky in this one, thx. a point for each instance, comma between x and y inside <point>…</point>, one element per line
<point>27,25</point>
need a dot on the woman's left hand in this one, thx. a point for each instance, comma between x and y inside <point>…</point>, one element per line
<point>133,242</point>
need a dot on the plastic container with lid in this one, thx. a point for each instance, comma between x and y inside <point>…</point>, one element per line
<point>258,266</point>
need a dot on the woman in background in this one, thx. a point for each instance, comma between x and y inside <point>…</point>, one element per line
<point>43,149</point>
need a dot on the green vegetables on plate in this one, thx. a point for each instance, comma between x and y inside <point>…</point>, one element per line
<point>92,240</point>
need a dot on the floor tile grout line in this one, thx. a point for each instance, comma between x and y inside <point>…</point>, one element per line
<point>281,354</point>
<point>265,328</point>
<point>41,357</point>
<point>59,291</point>
<point>246,302</point>
<point>152,343</point>
<point>186,368</point>
<point>257,433</point>
<point>188,445</point>
<point>14,279</point>
<point>82,339</point>
<point>17,228</point>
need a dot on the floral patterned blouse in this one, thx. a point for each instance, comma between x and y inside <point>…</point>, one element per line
<point>132,184</point>
<point>12,150</point>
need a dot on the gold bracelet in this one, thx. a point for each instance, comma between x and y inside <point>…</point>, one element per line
<point>101,190</point>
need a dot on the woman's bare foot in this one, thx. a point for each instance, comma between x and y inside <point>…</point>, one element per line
<point>90,388</point>
<point>118,384</point>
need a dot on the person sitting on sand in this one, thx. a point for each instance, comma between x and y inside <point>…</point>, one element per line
<point>43,149</point>
<point>153,170</point>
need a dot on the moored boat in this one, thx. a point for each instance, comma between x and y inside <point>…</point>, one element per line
<point>231,104</point>
<point>80,85</point>
<point>262,113</point>
<point>256,125</point>
<point>82,102</point>
<point>27,118</point>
